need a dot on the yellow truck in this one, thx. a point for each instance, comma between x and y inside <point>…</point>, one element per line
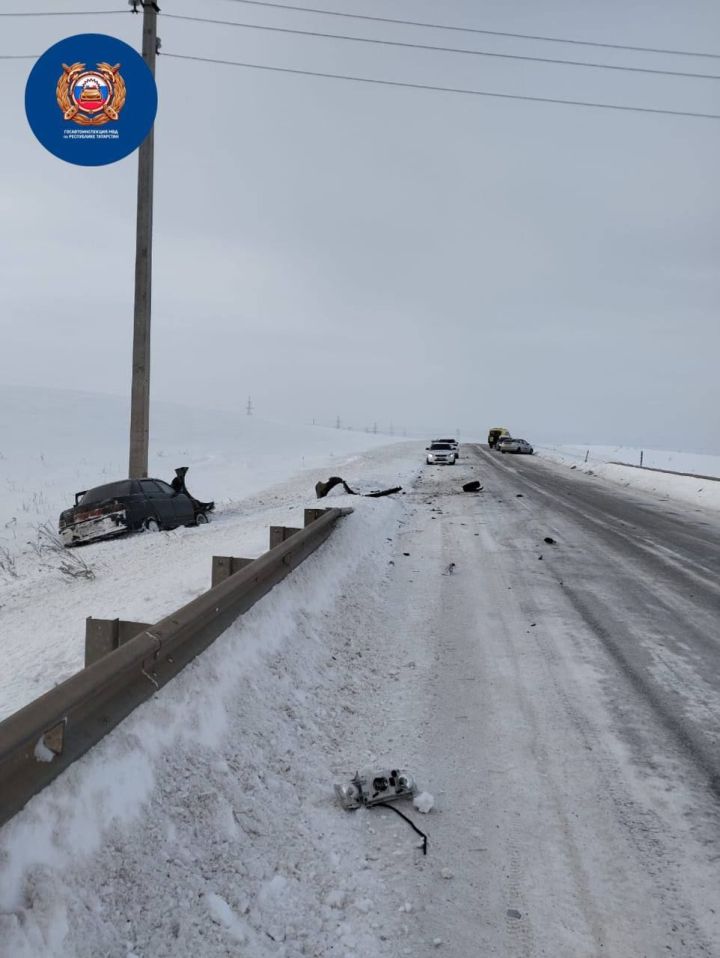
<point>496,433</point>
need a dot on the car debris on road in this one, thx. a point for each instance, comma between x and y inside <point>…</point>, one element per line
<point>323,488</point>
<point>379,788</point>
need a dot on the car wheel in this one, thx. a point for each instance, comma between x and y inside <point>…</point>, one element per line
<point>151,525</point>
<point>201,519</point>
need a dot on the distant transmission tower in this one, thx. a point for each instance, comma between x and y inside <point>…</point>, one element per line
<point>337,423</point>
<point>374,428</point>
<point>249,407</point>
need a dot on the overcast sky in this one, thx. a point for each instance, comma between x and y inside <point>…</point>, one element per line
<point>385,254</point>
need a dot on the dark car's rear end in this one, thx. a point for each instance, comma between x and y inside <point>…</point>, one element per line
<point>131,505</point>
<point>100,513</point>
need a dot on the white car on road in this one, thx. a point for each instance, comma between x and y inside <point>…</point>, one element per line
<point>516,445</point>
<point>440,453</point>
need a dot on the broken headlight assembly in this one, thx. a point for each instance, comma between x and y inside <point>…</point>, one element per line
<point>374,786</point>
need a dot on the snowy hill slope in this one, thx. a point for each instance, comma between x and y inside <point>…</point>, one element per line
<point>55,442</point>
<point>260,473</point>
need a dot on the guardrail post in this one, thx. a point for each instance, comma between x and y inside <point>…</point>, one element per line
<point>312,514</point>
<point>103,636</point>
<point>279,534</point>
<point>225,566</point>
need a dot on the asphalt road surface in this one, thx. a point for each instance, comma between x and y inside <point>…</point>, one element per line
<point>562,701</point>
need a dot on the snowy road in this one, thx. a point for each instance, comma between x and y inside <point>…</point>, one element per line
<point>564,711</point>
<point>567,711</point>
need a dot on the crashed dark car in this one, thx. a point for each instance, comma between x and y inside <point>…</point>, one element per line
<point>131,505</point>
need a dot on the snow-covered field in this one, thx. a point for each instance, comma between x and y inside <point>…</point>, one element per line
<point>603,461</point>
<point>54,443</point>
<point>681,462</point>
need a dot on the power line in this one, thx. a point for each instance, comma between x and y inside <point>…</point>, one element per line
<point>444,89</point>
<point>62,13</point>
<point>425,46</point>
<point>489,33</point>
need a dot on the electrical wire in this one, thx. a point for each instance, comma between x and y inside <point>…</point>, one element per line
<point>62,13</point>
<point>410,822</point>
<point>489,33</point>
<point>424,46</point>
<point>444,89</point>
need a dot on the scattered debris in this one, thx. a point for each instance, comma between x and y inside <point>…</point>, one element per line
<point>323,488</point>
<point>473,486</point>
<point>513,913</point>
<point>447,873</point>
<point>550,541</point>
<point>372,786</point>
<point>450,569</point>
<point>406,553</point>
<point>377,788</point>
<point>539,557</point>
<point>573,467</point>
<point>519,495</point>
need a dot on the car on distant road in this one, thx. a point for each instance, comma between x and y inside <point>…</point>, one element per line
<point>131,505</point>
<point>440,454</point>
<point>519,446</point>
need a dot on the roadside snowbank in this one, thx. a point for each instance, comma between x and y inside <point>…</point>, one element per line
<point>602,461</point>
<point>205,823</point>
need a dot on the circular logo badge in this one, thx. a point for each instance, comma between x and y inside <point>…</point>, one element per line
<point>91,99</point>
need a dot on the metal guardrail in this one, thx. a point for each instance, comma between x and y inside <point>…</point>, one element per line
<point>42,739</point>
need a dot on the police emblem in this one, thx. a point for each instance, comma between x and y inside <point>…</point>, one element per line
<point>91,97</point>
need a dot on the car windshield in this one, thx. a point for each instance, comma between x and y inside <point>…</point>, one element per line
<point>440,445</point>
<point>112,490</point>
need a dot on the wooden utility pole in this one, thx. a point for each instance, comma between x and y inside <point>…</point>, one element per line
<point>140,394</point>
